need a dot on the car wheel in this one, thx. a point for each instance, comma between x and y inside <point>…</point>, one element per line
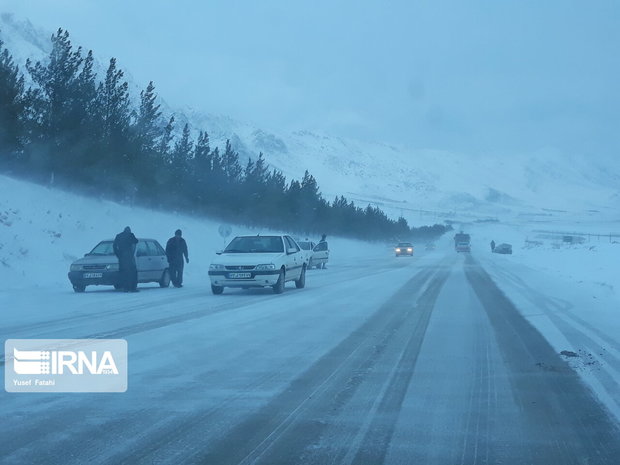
<point>79,288</point>
<point>301,282</point>
<point>165,279</point>
<point>118,287</point>
<point>278,288</point>
<point>217,290</point>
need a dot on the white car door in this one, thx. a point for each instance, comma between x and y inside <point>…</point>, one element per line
<point>294,258</point>
<point>143,261</point>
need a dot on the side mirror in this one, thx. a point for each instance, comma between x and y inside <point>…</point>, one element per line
<point>291,250</point>
<point>219,252</point>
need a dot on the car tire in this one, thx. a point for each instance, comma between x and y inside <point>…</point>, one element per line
<point>278,288</point>
<point>217,290</point>
<point>165,279</point>
<point>301,282</point>
<point>79,288</point>
<point>118,287</point>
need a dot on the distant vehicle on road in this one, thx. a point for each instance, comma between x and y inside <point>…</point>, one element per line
<point>403,248</point>
<point>503,248</point>
<point>259,261</point>
<point>99,267</point>
<point>462,242</point>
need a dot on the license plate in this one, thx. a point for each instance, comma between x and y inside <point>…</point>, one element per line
<point>93,275</point>
<point>239,275</point>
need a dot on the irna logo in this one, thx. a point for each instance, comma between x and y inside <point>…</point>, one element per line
<point>59,362</point>
<point>65,365</point>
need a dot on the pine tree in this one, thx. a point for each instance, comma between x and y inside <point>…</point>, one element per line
<point>146,127</point>
<point>163,146</point>
<point>230,164</point>
<point>54,106</point>
<point>12,109</point>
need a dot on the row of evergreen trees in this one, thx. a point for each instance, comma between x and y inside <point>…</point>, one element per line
<point>83,132</point>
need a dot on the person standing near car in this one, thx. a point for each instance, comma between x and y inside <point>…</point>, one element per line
<point>492,246</point>
<point>176,251</point>
<point>125,250</point>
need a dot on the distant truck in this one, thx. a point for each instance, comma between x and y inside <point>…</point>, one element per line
<point>462,242</point>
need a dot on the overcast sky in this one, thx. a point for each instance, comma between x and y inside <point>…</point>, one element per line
<point>467,75</point>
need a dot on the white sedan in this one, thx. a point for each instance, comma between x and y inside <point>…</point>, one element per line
<point>259,261</point>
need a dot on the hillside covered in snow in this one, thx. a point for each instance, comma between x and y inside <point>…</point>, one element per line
<point>424,186</point>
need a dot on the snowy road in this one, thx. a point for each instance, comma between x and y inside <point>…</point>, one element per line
<point>380,360</point>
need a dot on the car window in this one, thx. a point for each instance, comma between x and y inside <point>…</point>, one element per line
<point>305,245</point>
<point>320,247</point>
<point>103,248</point>
<point>291,243</point>
<point>255,244</point>
<point>154,249</point>
<point>141,249</point>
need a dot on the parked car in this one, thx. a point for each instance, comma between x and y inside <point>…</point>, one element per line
<point>404,248</point>
<point>99,267</point>
<point>503,249</point>
<point>259,261</point>
<point>307,248</point>
<point>320,255</point>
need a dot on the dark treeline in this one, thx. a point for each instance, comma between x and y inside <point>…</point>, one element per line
<point>82,130</point>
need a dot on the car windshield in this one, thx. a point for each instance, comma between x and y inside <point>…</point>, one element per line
<point>404,244</point>
<point>255,244</point>
<point>305,245</point>
<point>103,248</point>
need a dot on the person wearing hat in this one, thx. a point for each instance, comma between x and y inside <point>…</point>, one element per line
<point>176,250</point>
<point>125,250</point>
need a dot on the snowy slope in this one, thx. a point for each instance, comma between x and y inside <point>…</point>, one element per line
<point>43,230</point>
<point>424,186</point>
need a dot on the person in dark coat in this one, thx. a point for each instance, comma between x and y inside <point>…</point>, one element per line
<point>125,251</point>
<point>492,246</point>
<point>176,250</point>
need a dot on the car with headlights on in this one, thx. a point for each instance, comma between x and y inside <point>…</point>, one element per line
<point>99,267</point>
<point>403,248</point>
<point>259,261</point>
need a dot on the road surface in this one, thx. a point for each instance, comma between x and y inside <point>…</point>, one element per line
<point>382,360</point>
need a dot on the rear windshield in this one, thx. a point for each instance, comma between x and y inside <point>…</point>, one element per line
<point>103,248</point>
<point>255,244</point>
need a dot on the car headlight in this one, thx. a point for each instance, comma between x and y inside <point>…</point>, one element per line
<point>112,267</point>
<point>216,267</point>
<point>76,268</point>
<point>265,267</point>
<point>398,250</point>
<point>409,249</point>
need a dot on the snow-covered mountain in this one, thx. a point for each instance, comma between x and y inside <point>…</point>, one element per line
<point>422,185</point>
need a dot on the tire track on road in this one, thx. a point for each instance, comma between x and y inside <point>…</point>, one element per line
<point>281,431</point>
<point>565,423</point>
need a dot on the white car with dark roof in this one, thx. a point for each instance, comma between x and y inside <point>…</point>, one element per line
<point>259,261</point>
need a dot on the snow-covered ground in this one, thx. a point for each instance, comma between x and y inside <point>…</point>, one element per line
<point>43,230</point>
<point>569,292</point>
